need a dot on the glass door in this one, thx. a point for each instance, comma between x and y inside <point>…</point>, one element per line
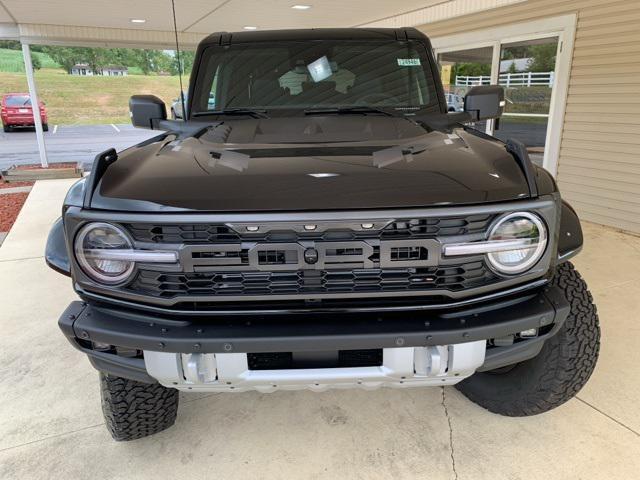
<point>527,73</point>
<point>462,69</point>
<point>532,61</point>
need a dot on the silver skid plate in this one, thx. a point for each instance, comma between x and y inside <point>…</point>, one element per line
<point>401,367</point>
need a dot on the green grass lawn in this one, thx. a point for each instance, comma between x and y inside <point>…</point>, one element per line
<point>529,120</point>
<point>73,100</point>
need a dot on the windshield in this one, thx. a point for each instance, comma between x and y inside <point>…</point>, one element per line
<point>316,75</point>
<point>17,101</point>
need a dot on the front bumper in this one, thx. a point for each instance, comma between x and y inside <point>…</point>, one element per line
<point>172,340</point>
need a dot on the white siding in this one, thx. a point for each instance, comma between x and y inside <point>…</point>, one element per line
<point>599,166</point>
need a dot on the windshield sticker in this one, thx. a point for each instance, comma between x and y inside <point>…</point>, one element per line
<point>320,69</point>
<point>409,62</point>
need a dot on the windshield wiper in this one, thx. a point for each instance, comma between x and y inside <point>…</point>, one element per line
<point>348,110</point>
<point>234,111</point>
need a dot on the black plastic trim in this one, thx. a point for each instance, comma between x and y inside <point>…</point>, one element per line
<point>520,153</point>
<point>132,368</point>
<point>519,352</point>
<point>100,165</point>
<point>570,239</point>
<point>498,357</point>
<point>266,309</point>
<point>182,217</point>
<point>321,332</point>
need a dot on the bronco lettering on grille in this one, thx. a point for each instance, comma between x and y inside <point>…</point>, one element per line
<point>272,257</point>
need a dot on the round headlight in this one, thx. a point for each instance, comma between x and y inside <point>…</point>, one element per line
<point>92,246</point>
<point>525,238</point>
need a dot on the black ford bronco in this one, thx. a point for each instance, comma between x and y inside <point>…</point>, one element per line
<point>319,219</point>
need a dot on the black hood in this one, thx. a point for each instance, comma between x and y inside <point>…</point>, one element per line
<point>311,163</point>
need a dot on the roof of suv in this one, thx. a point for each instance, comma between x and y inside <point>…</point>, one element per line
<point>313,34</point>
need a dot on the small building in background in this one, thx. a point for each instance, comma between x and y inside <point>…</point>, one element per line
<point>84,70</point>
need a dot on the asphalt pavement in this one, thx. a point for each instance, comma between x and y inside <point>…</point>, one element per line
<point>68,143</point>
<point>531,134</point>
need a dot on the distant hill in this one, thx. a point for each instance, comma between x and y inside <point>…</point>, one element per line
<point>11,60</point>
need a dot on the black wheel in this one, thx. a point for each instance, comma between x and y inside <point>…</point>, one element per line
<point>45,127</point>
<point>6,128</point>
<point>558,372</point>
<point>134,410</point>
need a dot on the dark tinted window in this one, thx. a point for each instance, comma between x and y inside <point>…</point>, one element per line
<point>18,101</point>
<point>302,75</point>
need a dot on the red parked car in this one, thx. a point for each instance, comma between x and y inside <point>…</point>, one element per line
<point>15,110</point>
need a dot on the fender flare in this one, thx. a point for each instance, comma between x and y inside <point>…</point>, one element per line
<point>570,239</point>
<point>56,254</point>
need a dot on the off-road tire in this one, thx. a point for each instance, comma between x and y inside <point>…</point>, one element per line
<point>134,410</point>
<point>558,372</point>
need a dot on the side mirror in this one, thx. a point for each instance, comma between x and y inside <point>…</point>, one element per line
<point>146,111</point>
<point>484,102</point>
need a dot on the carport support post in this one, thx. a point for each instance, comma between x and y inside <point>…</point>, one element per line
<point>35,105</point>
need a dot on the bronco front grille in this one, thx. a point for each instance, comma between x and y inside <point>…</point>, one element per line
<point>373,280</point>
<point>309,259</point>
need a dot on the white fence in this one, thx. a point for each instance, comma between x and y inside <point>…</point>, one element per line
<point>527,79</point>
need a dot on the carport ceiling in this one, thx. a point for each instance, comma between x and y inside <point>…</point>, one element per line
<point>205,16</point>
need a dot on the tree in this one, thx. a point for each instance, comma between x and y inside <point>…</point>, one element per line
<point>187,58</point>
<point>35,62</point>
<point>98,58</point>
<point>147,60</point>
<point>95,58</point>
<point>470,70</point>
<point>543,57</point>
<point>10,44</point>
<point>66,57</point>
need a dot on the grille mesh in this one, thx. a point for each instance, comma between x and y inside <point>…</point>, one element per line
<point>169,285</point>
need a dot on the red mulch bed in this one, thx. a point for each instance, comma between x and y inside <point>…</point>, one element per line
<point>4,184</point>
<point>10,206</point>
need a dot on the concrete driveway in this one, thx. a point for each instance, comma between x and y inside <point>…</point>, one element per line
<point>68,143</point>
<point>51,425</point>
